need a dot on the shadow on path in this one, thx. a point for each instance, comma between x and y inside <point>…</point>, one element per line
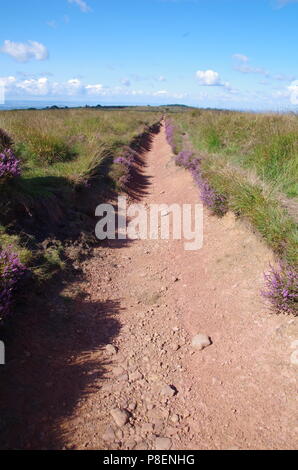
<point>42,382</point>
<point>53,344</point>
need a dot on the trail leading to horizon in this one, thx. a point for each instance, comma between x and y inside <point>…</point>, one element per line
<point>114,367</point>
<point>237,393</point>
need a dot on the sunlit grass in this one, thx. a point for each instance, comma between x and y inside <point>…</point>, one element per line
<point>59,150</point>
<point>251,159</point>
<point>265,143</point>
<point>63,143</point>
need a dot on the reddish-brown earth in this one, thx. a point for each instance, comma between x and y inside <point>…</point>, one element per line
<point>148,299</point>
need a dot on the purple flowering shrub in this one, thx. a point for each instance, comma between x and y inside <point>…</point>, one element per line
<point>281,289</point>
<point>170,129</point>
<point>217,203</point>
<point>11,270</point>
<point>10,165</point>
<point>126,163</point>
<point>185,159</point>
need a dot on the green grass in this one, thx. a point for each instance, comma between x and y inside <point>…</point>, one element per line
<point>264,143</point>
<point>60,151</point>
<point>64,142</point>
<point>59,148</point>
<point>251,159</point>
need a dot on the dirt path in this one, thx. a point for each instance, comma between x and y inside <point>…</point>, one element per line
<point>237,393</point>
<point>125,344</point>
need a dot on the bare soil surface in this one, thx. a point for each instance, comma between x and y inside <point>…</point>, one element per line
<point>117,370</point>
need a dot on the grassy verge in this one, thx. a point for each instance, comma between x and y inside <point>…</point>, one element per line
<point>264,143</point>
<point>65,156</point>
<point>246,162</point>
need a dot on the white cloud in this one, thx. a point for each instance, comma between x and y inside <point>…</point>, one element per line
<point>160,93</point>
<point>179,96</point>
<point>126,82</point>
<point>84,7</point>
<point>244,67</point>
<point>249,69</point>
<point>97,89</point>
<point>74,87</point>
<point>161,78</point>
<point>281,94</point>
<point>241,57</point>
<point>167,94</point>
<point>293,89</point>
<point>23,52</point>
<point>210,78</point>
<point>133,92</point>
<point>31,86</point>
<point>7,81</point>
<point>37,87</point>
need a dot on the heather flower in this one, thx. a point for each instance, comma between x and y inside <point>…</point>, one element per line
<point>10,166</point>
<point>281,289</point>
<point>11,269</point>
<point>217,203</point>
<point>169,128</point>
<point>127,162</point>
<point>122,161</point>
<point>184,159</point>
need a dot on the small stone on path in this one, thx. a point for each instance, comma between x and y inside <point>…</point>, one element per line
<point>200,341</point>
<point>163,443</point>
<point>120,417</point>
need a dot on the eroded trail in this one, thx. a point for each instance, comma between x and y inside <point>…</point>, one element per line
<point>237,393</point>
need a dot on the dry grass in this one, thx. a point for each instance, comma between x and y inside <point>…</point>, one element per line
<point>63,143</point>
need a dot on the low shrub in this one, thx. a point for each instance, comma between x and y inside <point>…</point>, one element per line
<point>214,201</point>
<point>10,165</point>
<point>125,165</point>
<point>281,289</point>
<point>170,129</point>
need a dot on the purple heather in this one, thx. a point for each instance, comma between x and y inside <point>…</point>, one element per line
<point>9,164</point>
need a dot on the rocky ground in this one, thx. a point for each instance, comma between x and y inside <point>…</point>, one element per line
<point>198,361</point>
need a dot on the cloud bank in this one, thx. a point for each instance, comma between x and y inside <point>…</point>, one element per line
<point>74,87</point>
<point>23,52</point>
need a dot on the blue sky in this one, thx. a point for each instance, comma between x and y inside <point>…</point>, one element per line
<point>220,53</point>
